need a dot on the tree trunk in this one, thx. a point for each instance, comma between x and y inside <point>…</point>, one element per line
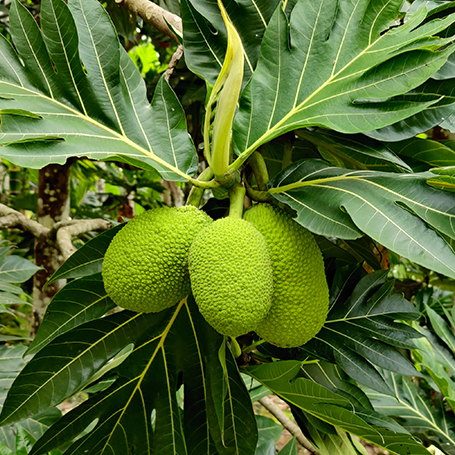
<point>53,206</point>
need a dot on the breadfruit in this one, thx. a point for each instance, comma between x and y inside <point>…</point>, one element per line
<point>301,297</point>
<point>231,276</point>
<point>145,268</point>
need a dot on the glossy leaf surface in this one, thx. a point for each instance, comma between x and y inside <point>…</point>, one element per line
<point>360,333</point>
<point>92,104</point>
<point>338,65</point>
<point>205,37</point>
<point>415,411</point>
<point>172,349</point>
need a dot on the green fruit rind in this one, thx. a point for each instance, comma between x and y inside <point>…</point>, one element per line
<point>231,276</point>
<point>145,268</point>
<point>301,297</point>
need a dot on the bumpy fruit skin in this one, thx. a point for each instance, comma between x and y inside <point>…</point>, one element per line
<point>231,276</point>
<point>145,268</point>
<point>301,297</point>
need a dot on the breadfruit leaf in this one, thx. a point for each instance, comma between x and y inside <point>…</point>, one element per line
<point>440,113</point>
<point>400,211</point>
<point>284,379</point>
<point>159,400</point>
<point>420,414</point>
<point>360,333</point>
<point>88,259</point>
<point>77,93</point>
<point>11,363</point>
<point>425,152</point>
<point>83,300</point>
<point>339,65</point>
<point>354,151</point>
<point>205,37</point>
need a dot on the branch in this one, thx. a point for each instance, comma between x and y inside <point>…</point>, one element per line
<point>11,218</point>
<point>58,236</point>
<point>178,54</point>
<point>156,16</point>
<point>66,230</point>
<point>287,423</point>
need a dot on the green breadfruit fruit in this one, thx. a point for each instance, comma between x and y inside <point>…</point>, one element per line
<point>301,297</point>
<point>231,276</point>
<point>145,268</point>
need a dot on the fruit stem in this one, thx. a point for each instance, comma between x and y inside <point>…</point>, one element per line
<point>260,171</point>
<point>235,348</point>
<point>253,346</point>
<point>255,195</point>
<point>196,193</point>
<point>287,154</point>
<point>236,196</point>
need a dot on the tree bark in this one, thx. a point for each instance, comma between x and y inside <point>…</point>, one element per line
<point>156,16</point>
<point>53,207</point>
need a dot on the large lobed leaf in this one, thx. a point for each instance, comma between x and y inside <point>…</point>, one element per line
<point>339,65</point>
<point>400,211</point>
<point>205,37</point>
<point>77,93</point>
<point>284,380</point>
<point>360,333</point>
<point>175,354</point>
<point>415,411</point>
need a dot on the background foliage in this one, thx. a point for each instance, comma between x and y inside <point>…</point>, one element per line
<point>349,121</point>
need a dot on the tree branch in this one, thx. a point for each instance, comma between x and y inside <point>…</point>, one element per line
<point>65,232</point>
<point>287,423</point>
<point>178,54</point>
<point>11,218</point>
<point>156,16</point>
<point>58,236</point>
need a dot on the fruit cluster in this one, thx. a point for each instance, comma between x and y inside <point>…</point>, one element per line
<point>264,272</point>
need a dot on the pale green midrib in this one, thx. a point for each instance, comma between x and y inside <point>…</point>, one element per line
<point>133,105</point>
<point>205,40</point>
<point>384,293</point>
<point>403,231</point>
<point>74,316</point>
<point>366,347</point>
<point>282,123</point>
<point>169,132</point>
<point>244,155</point>
<point>308,55</point>
<point>91,346</point>
<point>259,13</point>
<point>12,68</point>
<point>344,37</point>
<point>35,57</point>
<point>169,388</point>
<point>415,410</point>
<point>141,377</point>
<point>204,385</point>
<point>80,416</point>
<point>326,217</point>
<point>301,184</point>
<point>119,136</point>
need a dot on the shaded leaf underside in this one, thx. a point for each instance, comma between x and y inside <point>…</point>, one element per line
<point>400,211</point>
